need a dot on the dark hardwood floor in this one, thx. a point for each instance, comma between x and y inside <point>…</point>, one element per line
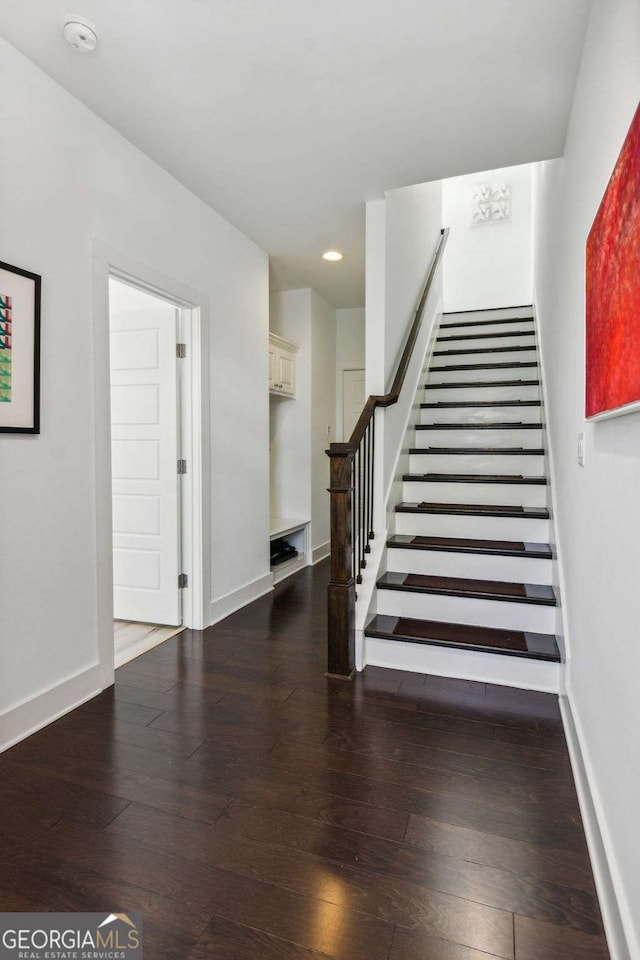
<point>250,809</point>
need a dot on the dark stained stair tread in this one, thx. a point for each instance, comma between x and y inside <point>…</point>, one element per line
<point>483,323</point>
<point>473,478</point>
<point>535,646</point>
<point>519,451</point>
<point>504,548</point>
<point>462,587</point>
<point>518,348</point>
<point>485,366</point>
<point>481,383</point>
<point>446,404</point>
<point>485,336</point>
<point>523,425</point>
<point>475,510</point>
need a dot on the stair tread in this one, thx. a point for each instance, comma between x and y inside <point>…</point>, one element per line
<point>516,425</point>
<point>485,336</point>
<point>445,404</point>
<point>473,478</point>
<point>475,509</point>
<point>506,548</point>
<point>484,323</point>
<point>464,587</point>
<point>516,451</point>
<point>481,383</point>
<point>518,348</point>
<point>535,646</point>
<point>509,364</point>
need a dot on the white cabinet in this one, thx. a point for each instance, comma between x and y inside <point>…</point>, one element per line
<point>282,366</point>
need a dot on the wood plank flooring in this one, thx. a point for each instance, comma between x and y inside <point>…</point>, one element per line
<point>249,808</point>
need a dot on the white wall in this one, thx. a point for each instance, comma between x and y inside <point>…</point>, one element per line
<point>413,224</point>
<point>597,506</point>
<point>350,337</point>
<point>299,438</point>
<point>487,265</point>
<point>403,231</point>
<point>323,417</point>
<point>69,178</point>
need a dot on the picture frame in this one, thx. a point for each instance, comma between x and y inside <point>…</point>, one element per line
<point>20,295</point>
<point>612,291</point>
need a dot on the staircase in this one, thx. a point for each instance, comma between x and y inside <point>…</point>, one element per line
<point>469,569</point>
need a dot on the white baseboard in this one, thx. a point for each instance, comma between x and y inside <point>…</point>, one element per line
<point>33,714</point>
<point>321,552</point>
<point>616,915</point>
<point>463,664</point>
<point>224,606</point>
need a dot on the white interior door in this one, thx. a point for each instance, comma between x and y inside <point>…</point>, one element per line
<point>353,400</point>
<point>145,451</point>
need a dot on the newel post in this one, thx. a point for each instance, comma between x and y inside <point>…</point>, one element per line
<point>342,587</point>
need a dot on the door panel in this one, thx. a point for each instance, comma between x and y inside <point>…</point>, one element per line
<point>144,428</point>
<point>353,400</point>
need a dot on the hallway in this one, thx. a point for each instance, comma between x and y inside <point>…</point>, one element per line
<point>249,808</point>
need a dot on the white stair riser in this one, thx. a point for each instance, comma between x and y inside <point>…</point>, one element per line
<point>516,494</point>
<point>482,343</point>
<point>486,394</point>
<point>511,437</point>
<point>471,566</point>
<point>473,375</point>
<point>466,664</point>
<point>501,614</point>
<point>472,527</point>
<point>525,465</point>
<point>517,356</point>
<point>473,415</point>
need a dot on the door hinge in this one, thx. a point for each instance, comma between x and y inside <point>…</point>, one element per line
<point>183,581</point>
<point>181,350</point>
<point>182,466</point>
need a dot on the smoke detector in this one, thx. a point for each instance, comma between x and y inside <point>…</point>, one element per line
<point>80,34</point>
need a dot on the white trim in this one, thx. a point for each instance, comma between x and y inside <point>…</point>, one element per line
<point>20,721</point>
<point>224,606</point>
<point>194,306</point>
<point>463,664</point>
<point>550,471</point>
<point>616,913</point>
<point>320,552</point>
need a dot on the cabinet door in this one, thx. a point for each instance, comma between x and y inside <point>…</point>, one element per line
<point>273,366</point>
<point>286,372</point>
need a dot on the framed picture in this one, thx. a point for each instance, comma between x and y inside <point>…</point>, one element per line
<point>613,290</point>
<point>19,350</point>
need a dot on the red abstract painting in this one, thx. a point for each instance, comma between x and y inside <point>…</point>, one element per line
<point>613,287</point>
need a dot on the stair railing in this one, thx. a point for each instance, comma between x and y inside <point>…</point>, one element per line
<point>352,497</point>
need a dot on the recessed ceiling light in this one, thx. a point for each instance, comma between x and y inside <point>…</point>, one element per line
<point>80,34</point>
<point>332,255</point>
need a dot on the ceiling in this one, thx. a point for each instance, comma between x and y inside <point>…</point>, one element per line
<point>287,115</point>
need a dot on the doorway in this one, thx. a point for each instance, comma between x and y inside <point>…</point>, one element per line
<point>146,468</point>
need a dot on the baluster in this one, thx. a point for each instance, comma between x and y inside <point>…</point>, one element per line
<point>367,490</point>
<point>372,424</point>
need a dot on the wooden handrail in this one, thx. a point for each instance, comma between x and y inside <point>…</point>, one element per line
<point>346,468</point>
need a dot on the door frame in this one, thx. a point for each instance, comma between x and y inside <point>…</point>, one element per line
<point>193,305</point>
<point>346,367</point>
